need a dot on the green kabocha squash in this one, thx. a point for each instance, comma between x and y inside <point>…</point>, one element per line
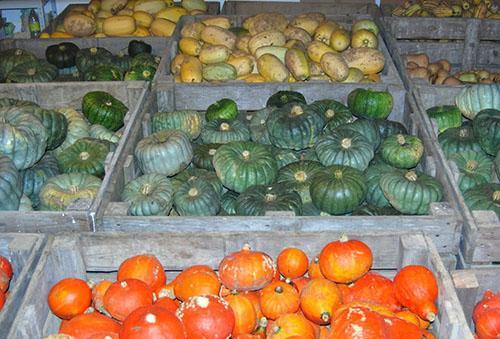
<point>10,58</point>
<point>9,102</point>
<point>223,109</point>
<point>198,173</point>
<point>149,194</point>
<point>59,192</point>
<point>137,47</point>
<point>260,199</point>
<point>366,128</point>
<point>62,55</point>
<point>411,192</point>
<point>104,109</point>
<point>308,154</point>
<point>389,127</point>
<point>370,210</point>
<point>165,152</point>
<point>447,116</point>
<point>23,138</point>
<point>475,98</point>
<point>258,128</point>
<point>224,131</point>
<point>228,203</point>
<point>344,147</point>
<point>370,104</point>
<point>122,61</point>
<point>102,133</point>
<point>294,126</point>
<point>86,58</point>
<point>240,165</point>
<point>486,127</point>
<point>35,176</point>
<point>282,98</point>
<point>78,127</point>
<point>484,197</point>
<point>458,140</point>
<point>334,113</point>
<point>190,122</point>
<point>203,155</point>
<point>32,71</point>
<point>25,204</point>
<point>402,151</point>
<point>475,169</point>
<point>56,125</point>
<point>298,176</point>
<point>374,194</point>
<point>338,189</point>
<point>196,197</point>
<point>284,156</point>
<point>11,185</point>
<point>103,72</point>
<point>84,156</point>
<point>140,73</point>
<point>143,60</point>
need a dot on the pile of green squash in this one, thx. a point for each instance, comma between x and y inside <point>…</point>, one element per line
<point>469,135</point>
<point>67,62</point>
<point>49,158</point>
<point>322,158</point>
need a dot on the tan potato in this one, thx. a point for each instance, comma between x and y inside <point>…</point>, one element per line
<point>315,69</point>
<point>268,38</point>
<point>296,33</point>
<point>316,49</point>
<point>190,46</point>
<point>191,70</point>
<point>218,36</point>
<point>219,21</point>
<point>175,65</point>
<point>411,65</point>
<point>421,59</point>
<point>306,23</point>
<point>451,81</point>
<point>334,66</point>
<point>445,64</point>
<point>297,63</point>
<point>419,73</point>
<point>212,54</point>
<point>325,30</point>
<point>192,30</point>
<point>368,60</point>
<point>434,68</point>
<point>79,25</point>
<point>272,69</point>
<point>296,44</point>
<point>243,64</point>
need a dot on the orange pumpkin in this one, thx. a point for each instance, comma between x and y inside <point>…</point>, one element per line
<point>278,298</point>
<point>409,316</point>
<point>299,283</point>
<point>292,263</point>
<point>416,288</point>
<point>124,297</point>
<point>98,292</point>
<point>254,297</point>
<point>380,309</point>
<point>84,326</point>
<point>6,267</point>
<point>245,319</point>
<point>489,301</point>
<point>314,271</point>
<point>196,280</point>
<point>152,322</point>
<point>373,288</point>
<point>289,325</point>
<point>345,260</point>
<point>69,297</point>
<point>488,324</point>
<point>246,270</point>
<point>324,332</point>
<point>399,328</point>
<point>319,300</point>
<point>4,282</point>
<point>146,268</point>
<point>168,304</point>
<point>358,322</point>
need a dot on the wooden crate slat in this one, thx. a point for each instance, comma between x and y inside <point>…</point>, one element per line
<point>293,7</point>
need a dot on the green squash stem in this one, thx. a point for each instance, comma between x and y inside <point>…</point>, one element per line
<point>296,111</point>
<point>411,176</point>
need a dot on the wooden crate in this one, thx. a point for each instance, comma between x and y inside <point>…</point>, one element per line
<point>55,95</point>
<point>96,256</point>
<point>23,251</point>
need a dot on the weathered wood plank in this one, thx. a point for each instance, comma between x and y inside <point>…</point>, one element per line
<point>294,7</point>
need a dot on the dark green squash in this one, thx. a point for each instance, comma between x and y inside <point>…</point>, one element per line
<point>143,60</point>
<point>374,194</point>
<point>104,109</point>
<point>86,58</point>
<point>258,127</point>
<point>370,104</point>
<point>458,140</point>
<point>203,155</point>
<point>367,129</point>
<point>260,199</point>
<point>10,58</point>
<point>56,125</point>
<point>35,176</point>
<point>32,71</point>
<point>402,151</point>
<point>86,155</point>
<point>334,113</point>
<point>474,168</point>
<point>137,47</point>
<point>284,156</point>
<point>484,197</point>
<point>387,128</point>
<point>193,173</point>
<point>223,109</point>
<point>497,165</point>
<point>10,102</point>
<point>140,73</point>
<point>447,116</point>
<point>190,122</point>
<point>308,154</point>
<point>486,127</point>
<point>11,185</point>
<point>103,72</point>
<point>62,55</point>
<point>228,203</point>
<point>370,210</point>
<point>196,197</point>
<point>224,131</point>
<point>338,189</point>
<point>149,194</point>
<point>122,61</point>
<point>282,98</point>
<point>298,176</point>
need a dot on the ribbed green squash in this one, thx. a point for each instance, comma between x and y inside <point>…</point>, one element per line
<point>240,165</point>
<point>458,140</point>
<point>344,147</point>
<point>122,61</point>
<point>165,152</point>
<point>23,138</point>
<point>402,151</point>
<point>144,60</point>
<point>25,204</point>
<point>149,194</point>
<point>136,47</point>
<point>228,203</point>
<point>32,71</point>
<point>258,128</point>
<point>486,127</point>
<point>411,192</point>
<point>84,156</point>
<point>102,133</point>
<point>141,73</point>
<point>225,109</point>
<point>11,185</point>
<point>258,200</point>
<point>62,190</point>
<point>104,109</point>
<point>334,113</point>
<point>389,127</point>
<point>196,197</point>
<point>294,126</point>
<point>190,122</point>
<point>56,125</point>
<point>374,194</point>
<point>484,197</point>
<point>9,102</point>
<point>203,155</point>
<point>298,176</point>
<point>78,127</point>
<point>282,98</point>
<point>10,58</point>
<point>62,55</point>
<point>103,72</point>
<point>370,210</point>
<point>199,173</point>
<point>224,131</point>
<point>446,116</point>
<point>35,176</point>
<point>86,58</point>
<point>477,97</point>
<point>308,154</point>
<point>475,169</point>
<point>367,129</point>
<point>283,156</point>
<point>370,104</point>
<point>338,189</point>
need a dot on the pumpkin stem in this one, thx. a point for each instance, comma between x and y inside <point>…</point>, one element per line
<point>316,259</point>
<point>109,103</point>
<point>337,174</point>
<point>431,316</point>
<point>146,189</point>
<point>296,111</point>
<point>123,284</point>
<point>343,238</point>
<point>278,289</point>
<point>146,74</point>
<point>212,151</point>
<point>346,143</point>
<point>471,165</point>
<point>224,126</point>
<point>401,139</point>
<point>150,318</point>
<point>84,156</point>
<point>300,176</point>
<point>93,50</point>
<point>193,192</point>
<point>73,189</point>
<point>31,71</point>
<point>288,281</point>
<point>270,197</point>
<point>245,154</point>
<point>246,247</point>
<point>325,316</point>
<point>330,113</point>
<point>18,52</point>
<point>411,176</point>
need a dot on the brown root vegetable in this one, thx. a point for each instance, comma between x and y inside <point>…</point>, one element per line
<point>451,81</point>
<point>420,59</point>
<point>440,79</point>
<point>411,65</point>
<point>419,73</point>
<point>434,68</point>
<point>334,66</point>
<point>443,74</point>
<point>445,64</point>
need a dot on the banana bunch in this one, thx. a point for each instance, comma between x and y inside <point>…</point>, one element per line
<point>482,9</point>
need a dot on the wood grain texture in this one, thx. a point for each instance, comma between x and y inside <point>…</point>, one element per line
<point>291,8</point>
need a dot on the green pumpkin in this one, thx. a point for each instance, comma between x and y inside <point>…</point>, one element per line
<point>338,189</point>
<point>136,47</point>
<point>104,109</point>
<point>35,176</point>
<point>78,127</point>
<point>308,154</point>
<point>196,197</point>
<point>484,197</point>
<point>367,129</point>
<point>402,151</point>
<point>411,192</point>
<point>165,152</point>
<point>86,58</point>
<point>282,98</point>
<point>374,194</point>
<point>84,156</point>
<point>240,165</point>
<point>258,127</point>
<point>370,104</point>
<point>9,102</point>
<point>193,173</point>
<point>32,71</point>
<point>143,60</point>
<point>190,122</point>
<point>25,204</point>
<point>62,190</point>
<point>475,169</point>
<point>458,140</point>
<point>62,55</point>
<point>447,116</point>
<point>334,113</point>
<point>387,128</point>
<point>228,203</point>
<point>258,200</point>
<point>103,72</point>
<point>11,185</point>
<point>203,155</point>
<point>486,127</point>
<point>149,194</point>
<point>475,98</point>
<point>298,176</point>
<point>283,156</point>
<point>23,138</point>
<point>224,131</point>
<point>122,61</point>
<point>56,125</point>
<point>294,126</point>
<point>102,133</point>
<point>225,109</point>
<point>373,211</point>
<point>140,73</point>
<point>10,58</point>
<point>344,147</point>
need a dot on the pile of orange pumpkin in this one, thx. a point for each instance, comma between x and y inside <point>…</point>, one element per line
<point>5,277</point>
<point>486,316</point>
<point>251,297</point>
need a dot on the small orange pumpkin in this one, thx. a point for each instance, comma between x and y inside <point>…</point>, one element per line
<point>319,300</point>
<point>289,325</point>
<point>314,271</point>
<point>124,297</point>
<point>152,322</point>
<point>278,298</point>
<point>166,291</point>
<point>254,297</point>
<point>245,319</point>
<point>90,325</point>
<point>196,280</point>
<point>299,283</point>
<point>373,288</point>
<point>168,304</point>
<point>2,300</point>
<point>409,316</point>
<point>292,263</point>
<point>69,297</point>
<point>146,268</point>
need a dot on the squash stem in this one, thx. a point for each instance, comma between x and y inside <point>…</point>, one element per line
<point>346,143</point>
<point>296,110</point>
